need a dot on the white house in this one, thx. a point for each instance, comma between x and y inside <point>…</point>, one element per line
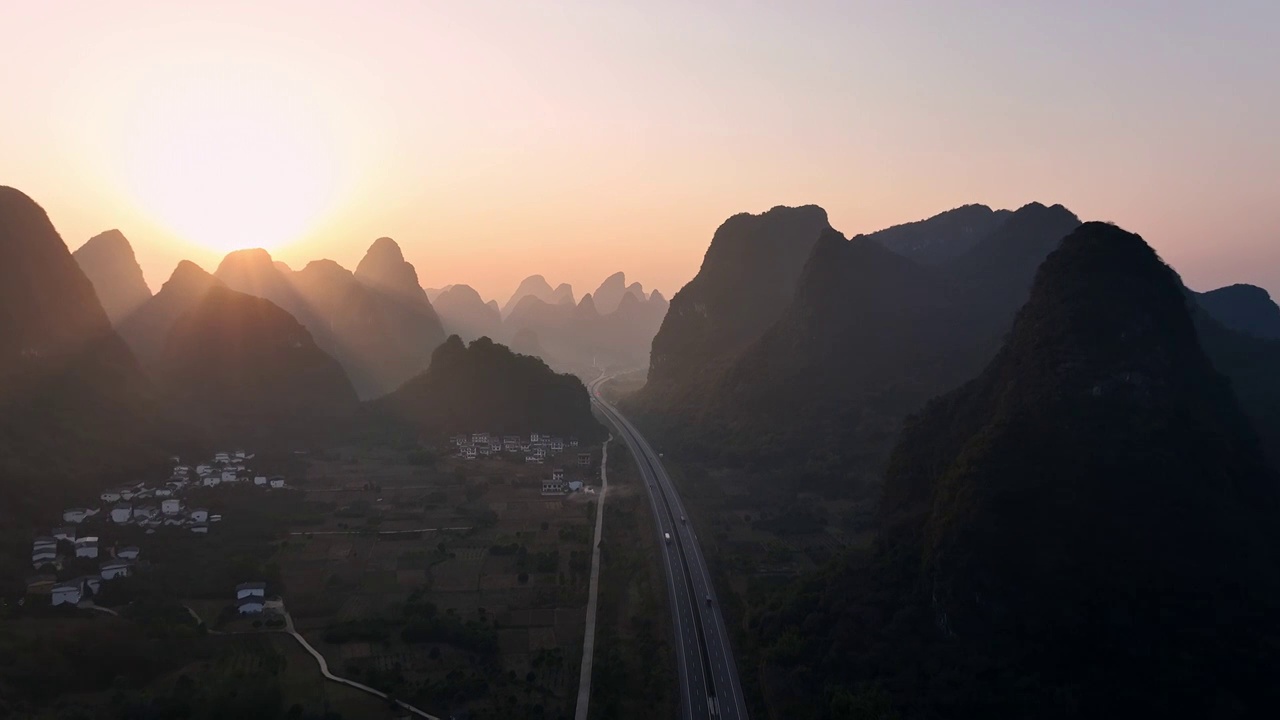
<point>200,515</point>
<point>164,492</point>
<point>171,506</point>
<point>126,493</point>
<point>43,556</point>
<point>77,515</point>
<point>469,452</point>
<point>222,457</point>
<point>251,589</point>
<point>115,569</point>
<point>557,445</point>
<point>260,480</point>
<point>535,437</point>
<point>249,605</point>
<point>128,553</point>
<point>87,547</point>
<point>204,469</point>
<point>215,518</point>
<point>228,476</point>
<point>584,459</point>
<point>45,541</point>
<point>65,533</point>
<point>144,512</point>
<point>573,442</point>
<point>121,513</point>
<point>66,593</point>
<point>533,459</point>
<point>200,528</point>
<point>557,474</point>
<point>110,496</point>
<point>552,487</point>
<point>277,482</point>
<point>211,480</point>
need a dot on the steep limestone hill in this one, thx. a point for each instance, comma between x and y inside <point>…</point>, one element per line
<point>486,386</point>
<point>747,278</point>
<point>75,409</point>
<point>107,260</point>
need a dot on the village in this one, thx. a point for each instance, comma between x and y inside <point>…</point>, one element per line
<point>536,450</point>
<point>150,508</point>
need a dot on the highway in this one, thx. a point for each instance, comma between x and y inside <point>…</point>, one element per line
<point>709,684</point>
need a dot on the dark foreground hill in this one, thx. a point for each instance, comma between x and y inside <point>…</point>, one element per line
<point>75,409</point>
<point>252,373</point>
<point>1087,529</point>
<point>484,387</point>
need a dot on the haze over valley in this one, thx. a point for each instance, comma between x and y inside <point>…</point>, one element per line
<point>621,361</point>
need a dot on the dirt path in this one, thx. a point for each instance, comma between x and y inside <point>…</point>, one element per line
<point>324,670</point>
<point>589,638</point>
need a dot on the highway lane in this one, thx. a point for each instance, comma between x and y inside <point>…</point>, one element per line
<point>709,682</point>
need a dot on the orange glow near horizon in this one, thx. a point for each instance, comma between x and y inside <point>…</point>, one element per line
<point>494,140</point>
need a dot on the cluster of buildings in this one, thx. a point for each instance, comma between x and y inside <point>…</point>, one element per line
<point>536,448</point>
<point>141,505</point>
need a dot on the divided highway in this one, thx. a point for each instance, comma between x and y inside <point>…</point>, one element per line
<point>709,686</point>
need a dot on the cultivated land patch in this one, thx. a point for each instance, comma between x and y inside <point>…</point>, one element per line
<point>451,585</point>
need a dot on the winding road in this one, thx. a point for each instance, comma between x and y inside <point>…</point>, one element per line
<point>709,684</point>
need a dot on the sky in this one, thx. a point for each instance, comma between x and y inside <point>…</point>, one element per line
<point>495,140</point>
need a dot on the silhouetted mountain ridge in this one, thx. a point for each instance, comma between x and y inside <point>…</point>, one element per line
<point>485,387</point>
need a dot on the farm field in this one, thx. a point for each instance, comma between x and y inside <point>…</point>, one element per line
<point>451,585</point>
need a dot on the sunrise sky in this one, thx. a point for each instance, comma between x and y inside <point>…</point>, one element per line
<point>498,139</point>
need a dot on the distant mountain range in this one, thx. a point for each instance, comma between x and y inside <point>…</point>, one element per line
<point>580,336</point>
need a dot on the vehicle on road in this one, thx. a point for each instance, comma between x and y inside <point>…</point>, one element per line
<point>667,537</point>
<point>683,521</point>
<point>708,599</point>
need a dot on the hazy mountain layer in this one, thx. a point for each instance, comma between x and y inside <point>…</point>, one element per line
<point>252,372</point>
<point>107,260</point>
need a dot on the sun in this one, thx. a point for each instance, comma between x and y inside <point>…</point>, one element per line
<point>232,161</point>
